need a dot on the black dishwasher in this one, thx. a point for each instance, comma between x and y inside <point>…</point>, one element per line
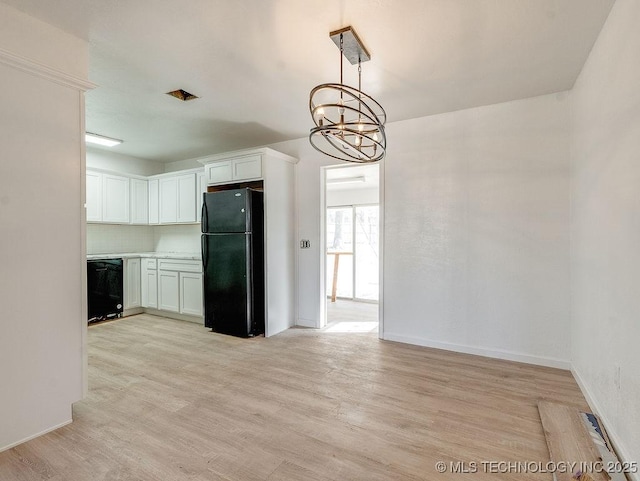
<point>104,289</point>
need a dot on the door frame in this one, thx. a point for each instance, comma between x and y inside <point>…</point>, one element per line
<point>323,240</point>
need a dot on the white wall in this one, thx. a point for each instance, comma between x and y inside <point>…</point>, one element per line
<point>43,315</point>
<point>177,238</point>
<point>182,165</point>
<point>605,226</point>
<point>118,239</point>
<point>125,164</point>
<point>476,241</point>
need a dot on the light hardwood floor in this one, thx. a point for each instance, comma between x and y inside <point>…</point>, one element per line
<point>347,310</point>
<point>170,400</point>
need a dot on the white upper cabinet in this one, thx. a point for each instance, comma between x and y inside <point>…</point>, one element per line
<point>94,197</point>
<point>247,168</point>
<point>186,198</point>
<point>201,188</point>
<point>115,200</point>
<point>178,199</point>
<point>160,199</point>
<point>238,169</point>
<point>168,194</point>
<point>139,201</point>
<point>219,172</point>
<point>154,201</point>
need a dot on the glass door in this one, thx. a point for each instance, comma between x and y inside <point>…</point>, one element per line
<point>366,260</point>
<point>353,252</point>
<point>340,252</point>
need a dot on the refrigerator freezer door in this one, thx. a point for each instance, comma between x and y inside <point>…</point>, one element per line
<point>228,284</point>
<point>226,211</point>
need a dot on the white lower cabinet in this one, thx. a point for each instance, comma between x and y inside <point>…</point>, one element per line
<point>168,291</point>
<point>149,283</point>
<point>180,286</point>
<point>132,283</point>
<point>191,293</point>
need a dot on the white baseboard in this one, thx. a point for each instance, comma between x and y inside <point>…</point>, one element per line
<point>480,351</point>
<point>37,435</point>
<point>174,315</point>
<point>595,407</point>
<point>306,323</point>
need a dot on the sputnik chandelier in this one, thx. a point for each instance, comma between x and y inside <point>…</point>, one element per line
<point>349,123</point>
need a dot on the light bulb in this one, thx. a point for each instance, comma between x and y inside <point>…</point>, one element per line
<point>375,136</point>
<point>358,140</point>
<point>360,127</point>
<point>320,113</point>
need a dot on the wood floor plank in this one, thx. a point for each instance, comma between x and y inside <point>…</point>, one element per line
<point>169,400</point>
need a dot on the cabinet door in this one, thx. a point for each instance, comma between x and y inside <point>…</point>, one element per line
<point>200,189</point>
<point>186,198</point>
<point>132,283</point>
<point>246,168</point>
<point>154,201</point>
<point>94,196</point>
<point>219,172</point>
<point>168,200</point>
<point>115,199</point>
<point>168,291</point>
<point>139,201</point>
<point>191,293</point>
<point>150,288</point>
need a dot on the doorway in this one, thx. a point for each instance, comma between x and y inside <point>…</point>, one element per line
<point>352,257</point>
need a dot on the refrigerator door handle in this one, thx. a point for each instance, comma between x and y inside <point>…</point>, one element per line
<point>205,214</point>
<point>205,256</point>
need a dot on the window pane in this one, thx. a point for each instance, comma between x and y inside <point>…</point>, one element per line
<point>367,249</point>
<point>340,241</point>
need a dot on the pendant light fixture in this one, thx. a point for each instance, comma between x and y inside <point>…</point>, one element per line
<point>349,123</point>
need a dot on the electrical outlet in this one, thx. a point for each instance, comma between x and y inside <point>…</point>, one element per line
<point>305,244</point>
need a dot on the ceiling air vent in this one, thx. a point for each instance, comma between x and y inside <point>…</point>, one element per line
<point>182,95</point>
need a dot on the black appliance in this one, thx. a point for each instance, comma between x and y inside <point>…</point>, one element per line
<point>233,261</point>
<point>104,289</point>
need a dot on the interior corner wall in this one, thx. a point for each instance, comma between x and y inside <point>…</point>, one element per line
<point>125,164</point>
<point>41,218</point>
<point>605,227</point>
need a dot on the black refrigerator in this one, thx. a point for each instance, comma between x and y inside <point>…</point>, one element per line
<point>233,261</point>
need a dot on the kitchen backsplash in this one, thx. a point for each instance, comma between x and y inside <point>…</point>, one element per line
<point>116,239</point>
<point>177,238</point>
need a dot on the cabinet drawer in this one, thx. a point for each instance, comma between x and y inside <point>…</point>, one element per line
<point>179,265</point>
<point>150,264</point>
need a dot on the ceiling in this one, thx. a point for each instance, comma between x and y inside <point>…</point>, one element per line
<point>253,62</point>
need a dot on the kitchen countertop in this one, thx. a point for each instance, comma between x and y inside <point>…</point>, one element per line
<point>194,256</point>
